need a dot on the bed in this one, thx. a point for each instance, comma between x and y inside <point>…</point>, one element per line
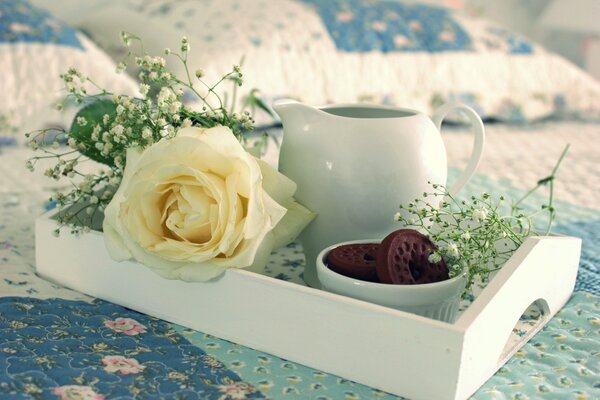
<point>58,343</point>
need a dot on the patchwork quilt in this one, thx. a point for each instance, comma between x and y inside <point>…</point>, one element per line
<point>59,344</point>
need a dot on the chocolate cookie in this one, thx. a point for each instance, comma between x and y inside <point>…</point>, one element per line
<point>403,258</point>
<point>355,261</point>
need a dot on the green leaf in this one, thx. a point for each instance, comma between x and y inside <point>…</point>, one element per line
<point>254,101</point>
<point>93,113</point>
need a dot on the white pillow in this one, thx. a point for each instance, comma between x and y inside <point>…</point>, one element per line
<point>320,51</point>
<point>35,49</point>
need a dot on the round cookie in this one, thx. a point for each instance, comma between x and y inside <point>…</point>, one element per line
<point>355,261</point>
<point>403,258</point>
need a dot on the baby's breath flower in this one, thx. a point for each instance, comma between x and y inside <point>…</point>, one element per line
<point>452,250</point>
<point>125,38</point>
<point>144,89</point>
<point>135,122</point>
<point>480,214</point>
<point>174,107</point>
<point>468,245</point>
<point>435,258</point>
<point>117,129</point>
<point>185,46</point>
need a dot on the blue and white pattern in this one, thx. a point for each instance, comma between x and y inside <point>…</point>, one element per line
<point>35,49</point>
<point>59,346</point>
<point>21,22</point>
<point>357,26</point>
<point>588,278</point>
<point>362,26</point>
<point>110,343</point>
<point>516,44</point>
<point>378,51</point>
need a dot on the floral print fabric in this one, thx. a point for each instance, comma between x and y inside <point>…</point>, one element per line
<point>76,350</point>
<point>361,26</point>
<point>20,22</point>
<point>560,362</point>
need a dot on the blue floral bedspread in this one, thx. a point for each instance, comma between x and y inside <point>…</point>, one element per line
<point>67,348</point>
<point>59,344</point>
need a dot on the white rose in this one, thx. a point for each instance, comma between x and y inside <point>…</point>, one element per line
<point>192,206</point>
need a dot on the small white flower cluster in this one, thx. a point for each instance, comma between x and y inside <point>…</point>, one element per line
<point>109,124</point>
<point>62,169</point>
<point>471,236</point>
<point>74,82</point>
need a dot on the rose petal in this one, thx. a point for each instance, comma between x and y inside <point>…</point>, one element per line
<point>277,185</point>
<point>192,206</point>
<point>295,220</point>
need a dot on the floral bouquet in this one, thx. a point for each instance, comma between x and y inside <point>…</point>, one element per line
<point>177,190</point>
<point>476,236</point>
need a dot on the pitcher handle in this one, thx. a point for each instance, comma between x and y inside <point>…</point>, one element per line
<point>478,129</point>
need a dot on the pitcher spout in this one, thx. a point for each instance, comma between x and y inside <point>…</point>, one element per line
<point>294,113</point>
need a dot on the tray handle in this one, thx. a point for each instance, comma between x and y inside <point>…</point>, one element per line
<point>542,270</point>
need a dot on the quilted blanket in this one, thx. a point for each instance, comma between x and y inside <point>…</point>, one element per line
<point>59,344</point>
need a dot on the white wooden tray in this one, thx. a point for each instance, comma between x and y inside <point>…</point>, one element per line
<point>388,349</point>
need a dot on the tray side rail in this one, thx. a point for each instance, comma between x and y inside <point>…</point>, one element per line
<point>380,347</point>
<point>542,270</point>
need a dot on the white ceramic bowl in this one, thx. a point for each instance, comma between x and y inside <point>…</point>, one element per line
<point>437,300</point>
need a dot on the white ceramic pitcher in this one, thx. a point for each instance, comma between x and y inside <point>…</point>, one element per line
<point>354,164</point>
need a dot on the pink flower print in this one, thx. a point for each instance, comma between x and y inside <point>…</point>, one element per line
<point>415,26</point>
<point>447,36</point>
<point>345,16</point>
<point>54,24</point>
<point>235,391</point>
<point>379,26</point>
<point>122,365</point>
<point>18,27</point>
<point>75,392</point>
<point>456,4</point>
<point>401,40</point>
<point>127,326</point>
